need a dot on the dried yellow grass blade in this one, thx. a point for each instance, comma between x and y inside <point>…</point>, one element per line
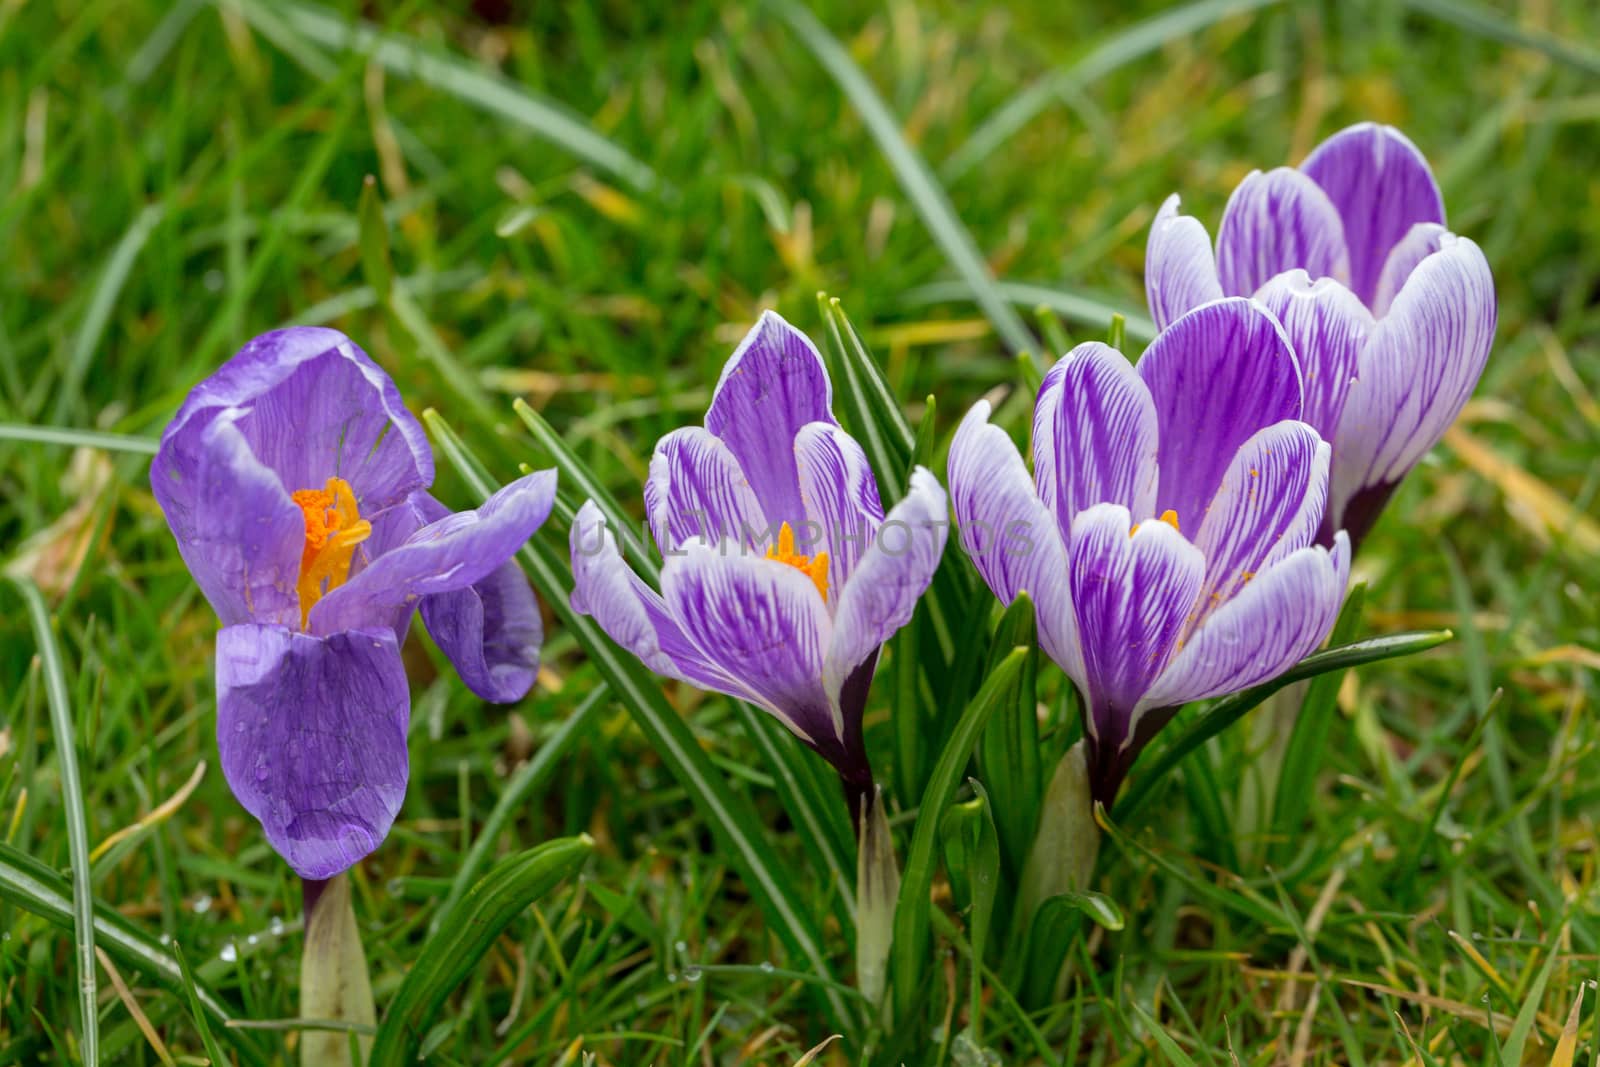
<point>162,812</point>
<point>1567,1047</point>
<point>1545,512</point>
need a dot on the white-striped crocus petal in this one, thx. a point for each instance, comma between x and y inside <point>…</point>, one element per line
<point>1009,535</point>
<point>1275,222</point>
<point>631,613</point>
<point>1132,588</point>
<point>1274,622</point>
<point>1420,242</point>
<point>1417,371</point>
<point>1094,435</point>
<point>1180,269</point>
<point>840,496</point>
<point>696,489</point>
<point>763,623</point>
<point>1270,505</point>
<point>890,577</point>
<point>1328,326</point>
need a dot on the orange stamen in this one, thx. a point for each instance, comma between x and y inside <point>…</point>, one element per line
<point>813,567</point>
<point>334,527</point>
<point>1169,517</point>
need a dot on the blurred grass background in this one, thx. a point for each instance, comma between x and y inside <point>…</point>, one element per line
<point>588,204</point>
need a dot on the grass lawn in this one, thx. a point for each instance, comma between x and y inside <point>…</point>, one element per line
<point>585,207</point>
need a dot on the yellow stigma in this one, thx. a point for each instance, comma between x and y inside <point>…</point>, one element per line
<point>813,567</point>
<point>1169,517</point>
<point>334,527</point>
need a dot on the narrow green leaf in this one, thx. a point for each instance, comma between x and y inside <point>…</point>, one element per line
<point>972,851</point>
<point>1490,24</point>
<point>927,434</point>
<point>876,417</point>
<point>1169,1048</point>
<point>71,438</point>
<point>1528,1013</point>
<point>1117,334</point>
<point>465,935</point>
<point>374,240</point>
<point>1224,713</point>
<point>34,887</point>
<point>61,725</point>
<point>1056,340</point>
<point>197,1010</point>
<point>927,196</point>
<point>1308,742</point>
<point>911,914</point>
<point>1008,748</point>
<point>1084,308</point>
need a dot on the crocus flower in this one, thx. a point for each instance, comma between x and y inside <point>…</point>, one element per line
<point>296,484</point>
<point>1166,536</point>
<point>781,576</point>
<point>1390,313</point>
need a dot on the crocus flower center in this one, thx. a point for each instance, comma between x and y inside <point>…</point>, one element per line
<point>1169,517</point>
<point>334,527</point>
<point>813,567</point>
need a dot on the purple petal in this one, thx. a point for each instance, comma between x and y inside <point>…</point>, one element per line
<point>1132,589</point>
<point>1327,326</point>
<point>1420,242</point>
<point>1008,533</point>
<point>1273,623</point>
<point>312,733</point>
<point>1180,269</point>
<point>1270,505</point>
<point>452,553</point>
<point>697,491</point>
<point>1275,222</point>
<point>239,533</point>
<point>892,575</point>
<point>842,507</point>
<point>315,407</point>
<point>1417,371</point>
<point>1217,375</point>
<point>774,384</point>
<point>1094,435</point>
<point>633,614</point>
<point>763,623</point>
<point>1381,185</point>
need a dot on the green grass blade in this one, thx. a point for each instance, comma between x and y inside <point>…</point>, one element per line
<point>197,1010</point>
<point>1224,713</point>
<point>1082,308</point>
<point>71,438</point>
<point>468,82</point>
<point>1169,1048</point>
<point>530,776</point>
<point>926,194</point>
<point>34,887</point>
<point>465,935</point>
<point>731,817</point>
<point>1528,1013</point>
<point>911,923</point>
<point>1474,18</point>
<point>1105,56</point>
<point>61,725</point>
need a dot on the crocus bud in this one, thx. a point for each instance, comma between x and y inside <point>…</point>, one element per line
<point>877,889</point>
<point>1068,841</point>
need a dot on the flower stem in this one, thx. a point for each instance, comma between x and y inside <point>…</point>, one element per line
<point>334,984</point>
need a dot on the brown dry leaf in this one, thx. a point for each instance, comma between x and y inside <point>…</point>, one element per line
<point>53,556</point>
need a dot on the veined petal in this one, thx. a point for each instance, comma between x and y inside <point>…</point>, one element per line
<point>697,490</point>
<point>1328,327</point>
<point>1269,506</point>
<point>491,631</point>
<point>237,529</point>
<point>1132,589</point>
<point>774,383</point>
<point>1180,269</point>
<point>633,614</point>
<point>1094,435</point>
<point>1217,375</point>
<point>763,623</point>
<point>312,734</point>
<point>1275,222</point>
<point>1420,242</point>
<point>453,553</point>
<point>1009,535</point>
<point>1274,622</point>
<point>841,499</point>
<point>892,575</point>
<point>1381,185</point>
<point>315,406</point>
<point>1417,371</point>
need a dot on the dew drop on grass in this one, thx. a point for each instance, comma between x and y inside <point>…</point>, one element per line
<point>692,974</point>
<point>275,927</point>
<point>202,904</point>
<point>252,940</point>
<point>229,953</point>
<point>767,967</point>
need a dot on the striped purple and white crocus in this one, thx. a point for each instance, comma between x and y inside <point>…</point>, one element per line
<point>1167,534</point>
<point>781,575</point>
<point>1392,315</point>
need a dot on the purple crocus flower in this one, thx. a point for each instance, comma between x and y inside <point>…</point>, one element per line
<point>1392,315</point>
<point>782,577</point>
<point>1166,536</point>
<point>296,484</point>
